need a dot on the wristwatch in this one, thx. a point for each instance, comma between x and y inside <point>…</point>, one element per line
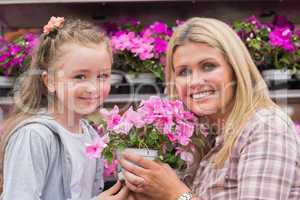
<point>185,196</point>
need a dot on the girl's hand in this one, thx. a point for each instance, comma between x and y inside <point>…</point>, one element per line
<point>116,192</point>
<point>155,180</point>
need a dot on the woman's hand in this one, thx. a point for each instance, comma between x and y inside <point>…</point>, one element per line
<point>155,180</point>
<point>116,192</point>
<point>138,196</point>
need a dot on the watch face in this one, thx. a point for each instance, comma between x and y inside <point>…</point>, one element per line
<point>186,196</point>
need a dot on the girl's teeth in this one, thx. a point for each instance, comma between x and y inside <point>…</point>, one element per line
<point>201,95</point>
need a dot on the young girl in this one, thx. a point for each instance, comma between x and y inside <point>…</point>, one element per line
<point>43,144</point>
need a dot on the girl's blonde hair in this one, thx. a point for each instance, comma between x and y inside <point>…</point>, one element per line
<point>31,94</point>
<point>250,90</point>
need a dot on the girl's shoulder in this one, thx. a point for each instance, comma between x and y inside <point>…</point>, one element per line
<point>35,128</point>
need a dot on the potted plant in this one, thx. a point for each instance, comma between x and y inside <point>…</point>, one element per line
<point>273,46</point>
<point>14,58</point>
<point>139,50</point>
<point>157,129</point>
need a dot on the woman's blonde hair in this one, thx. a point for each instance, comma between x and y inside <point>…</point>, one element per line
<point>30,93</point>
<point>250,90</point>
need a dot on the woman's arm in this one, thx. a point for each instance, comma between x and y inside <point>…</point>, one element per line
<point>155,180</point>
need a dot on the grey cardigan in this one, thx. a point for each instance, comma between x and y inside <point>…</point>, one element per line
<point>37,146</point>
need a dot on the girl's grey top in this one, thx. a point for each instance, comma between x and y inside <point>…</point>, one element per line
<point>43,161</point>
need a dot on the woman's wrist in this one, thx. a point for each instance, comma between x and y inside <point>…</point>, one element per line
<point>179,192</point>
<point>186,196</point>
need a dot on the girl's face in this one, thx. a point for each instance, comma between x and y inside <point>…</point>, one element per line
<point>203,79</point>
<point>82,78</point>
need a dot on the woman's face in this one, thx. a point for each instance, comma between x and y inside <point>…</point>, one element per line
<point>203,79</point>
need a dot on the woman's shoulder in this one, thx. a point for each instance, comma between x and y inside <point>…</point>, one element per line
<point>269,124</point>
<point>269,118</point>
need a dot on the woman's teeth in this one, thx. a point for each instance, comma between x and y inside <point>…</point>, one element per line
<point>201,95</point>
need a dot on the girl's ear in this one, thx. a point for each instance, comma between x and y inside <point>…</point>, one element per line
<point>49,83</point>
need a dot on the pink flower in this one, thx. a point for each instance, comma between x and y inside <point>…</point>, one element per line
<point>159,27</point>
<point>164,122</point>
<point>143,47</point>
<point>123,41</point>
<point>123,127</point>
<point>134,117</point>
<point>184,132</point>
<point>110,169</point>
<point>160,45</point>
<point>112,118</point>
<point>150,108</point>
<point>282,37</point>
<point>171,137</point>
<point>95,149</point>
<point>54,22</point>
<point>147,32</point>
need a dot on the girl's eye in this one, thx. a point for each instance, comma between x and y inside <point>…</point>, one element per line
<point>80,77</point>
<point>184,72</point>
<point>103,76</point>
<point>209,66</point>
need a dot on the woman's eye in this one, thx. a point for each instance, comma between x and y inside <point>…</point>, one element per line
<point>80,77</point>
<point>103,76</point>
<point>209,66</point>
<point>184,72</point>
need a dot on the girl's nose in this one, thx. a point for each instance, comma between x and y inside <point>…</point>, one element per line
<point>92,85</point>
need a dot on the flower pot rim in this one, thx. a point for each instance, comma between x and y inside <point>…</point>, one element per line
<point>141,151</point>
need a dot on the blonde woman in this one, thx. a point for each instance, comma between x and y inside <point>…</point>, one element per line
<point>257,151</point>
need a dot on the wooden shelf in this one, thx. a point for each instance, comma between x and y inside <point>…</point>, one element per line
<point>6,101</point>
<point>126,98</point>
<point>6,2</point>
<point>114,98</point>
<point>285,94</point>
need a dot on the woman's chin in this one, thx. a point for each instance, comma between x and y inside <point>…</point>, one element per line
<point>204,111</point>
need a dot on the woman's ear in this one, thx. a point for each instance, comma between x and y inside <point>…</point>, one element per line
<point>49,83</point>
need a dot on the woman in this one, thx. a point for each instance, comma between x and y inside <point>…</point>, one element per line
<point>257,151</point>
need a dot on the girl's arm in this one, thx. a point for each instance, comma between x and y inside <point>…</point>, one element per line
<point>99,181</point>
<point>25,165</point>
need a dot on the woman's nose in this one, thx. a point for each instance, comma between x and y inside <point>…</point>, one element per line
<point>196,79</point>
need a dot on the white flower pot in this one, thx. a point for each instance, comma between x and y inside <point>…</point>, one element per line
<point>277,74</point>
<point>297,75</point>
<point>145,153</point>
<point>141,78</point>
<point>6,82</point>
<point>277,79</point>
<point>116,79</point>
